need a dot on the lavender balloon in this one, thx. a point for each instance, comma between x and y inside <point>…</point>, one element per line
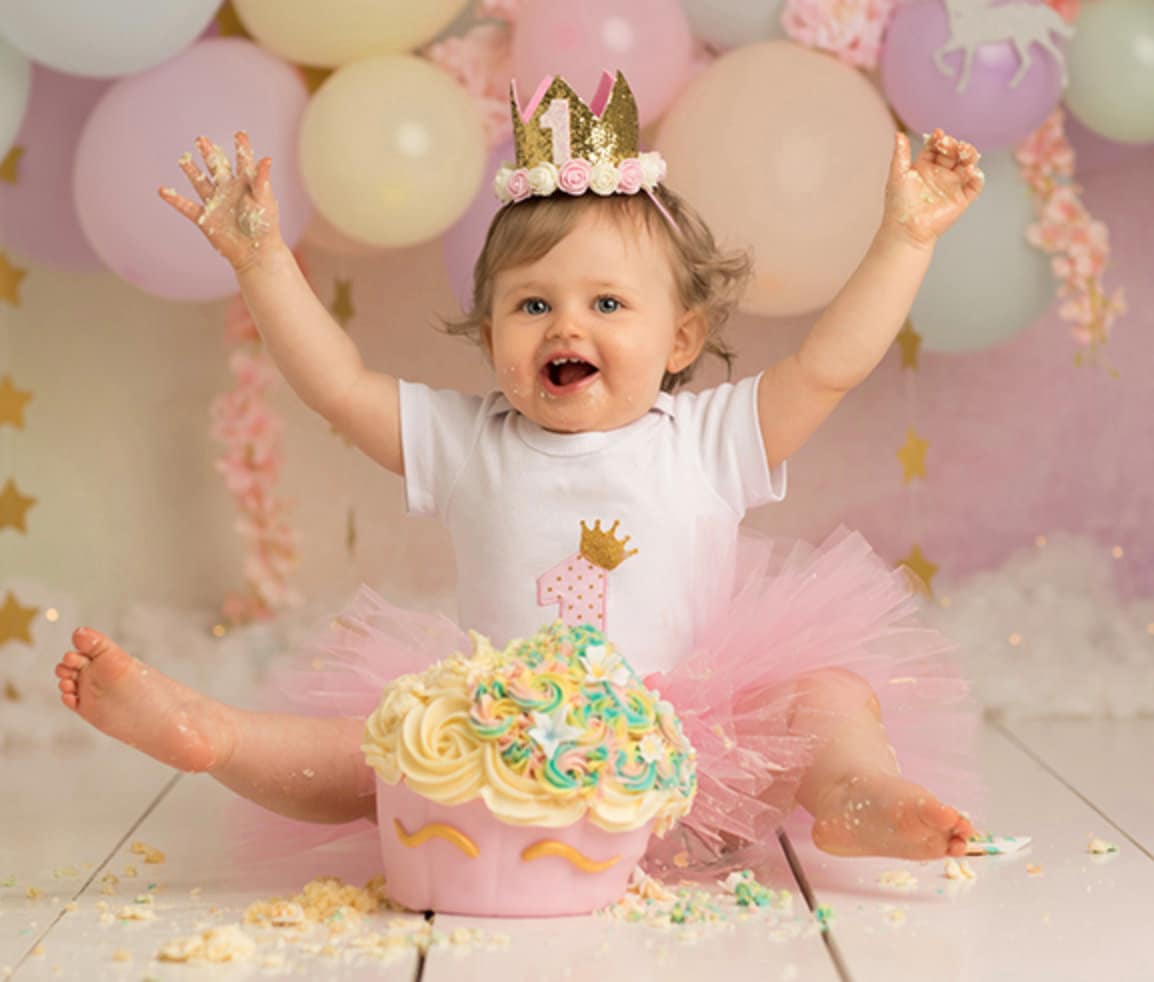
<point>38,212</point>
<point>955,64</point>
<point>463,241</point>
<point>138,131</point>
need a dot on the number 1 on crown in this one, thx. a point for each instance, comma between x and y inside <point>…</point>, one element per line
<point>556,120</point>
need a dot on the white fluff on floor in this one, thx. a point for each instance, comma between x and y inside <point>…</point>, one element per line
<point>1046,635</point>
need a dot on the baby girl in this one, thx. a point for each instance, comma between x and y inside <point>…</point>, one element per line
<point>597,293</point>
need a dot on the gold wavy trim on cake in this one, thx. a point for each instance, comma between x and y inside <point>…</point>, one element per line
<point>562,850</point>
<point>437,830</point>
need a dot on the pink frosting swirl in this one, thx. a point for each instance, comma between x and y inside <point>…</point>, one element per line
<point>574,176</point>
<point>518,187</point>
<point>629,176</point>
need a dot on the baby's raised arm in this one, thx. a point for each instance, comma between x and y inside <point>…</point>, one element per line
<point>319,360</point>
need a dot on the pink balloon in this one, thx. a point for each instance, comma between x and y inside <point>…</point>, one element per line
<point>648,40</point>
<point>38,213</point>
<point>463,241</point>
<point>989,112</point>
<point>138,131</point>
<point>784,151</point>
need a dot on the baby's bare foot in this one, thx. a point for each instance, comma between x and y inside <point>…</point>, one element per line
<point>140,706</point>
<point>885,815</point>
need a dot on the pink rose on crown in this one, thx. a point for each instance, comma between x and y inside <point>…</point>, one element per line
<point>518,187</point>
<point>629,176</point>
<point>575,175</point>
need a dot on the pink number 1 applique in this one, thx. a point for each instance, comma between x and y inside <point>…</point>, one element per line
<point>578,584</point>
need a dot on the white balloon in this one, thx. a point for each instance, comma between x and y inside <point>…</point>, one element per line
<point>732,23</point>
<point>107,38</point>
<point>1111,62</point>
<point>986,282</point>
<point>15,85</point>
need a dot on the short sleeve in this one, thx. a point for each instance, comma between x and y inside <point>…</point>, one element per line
<point>725,431</point>
<point>438,430</point>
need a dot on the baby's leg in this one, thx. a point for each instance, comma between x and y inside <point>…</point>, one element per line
<point>299,766</point>
<point>861,804</point>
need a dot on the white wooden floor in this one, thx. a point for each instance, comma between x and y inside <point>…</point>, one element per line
<point>66,822</point>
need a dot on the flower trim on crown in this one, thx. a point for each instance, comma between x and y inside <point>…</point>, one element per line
<point>577,175</point>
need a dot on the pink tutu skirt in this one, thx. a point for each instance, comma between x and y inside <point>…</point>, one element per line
<point>798,609</point>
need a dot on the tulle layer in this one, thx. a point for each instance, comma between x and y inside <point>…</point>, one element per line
<point>833,615</point>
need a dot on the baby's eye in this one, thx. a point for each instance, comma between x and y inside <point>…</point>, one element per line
<point>534,305</point>
<point>607,305</point>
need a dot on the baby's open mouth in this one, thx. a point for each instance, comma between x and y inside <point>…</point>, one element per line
<point>563,372</point>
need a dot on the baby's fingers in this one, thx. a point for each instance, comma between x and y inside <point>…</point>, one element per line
<point>215,159</point>
<point>183,205</point>
<point>261,187</point>
<point>244,163</point>
<point>200,183</point>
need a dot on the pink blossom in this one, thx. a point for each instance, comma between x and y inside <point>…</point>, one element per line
<point>481,61</point>
<point>518,186</point>
<point>629,176</point>
<point>850,29</point>
<point>574,175</point>
<point>1067,8</point>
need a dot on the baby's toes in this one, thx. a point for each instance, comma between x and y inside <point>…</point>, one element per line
<point>940,817</point>
<point>74,660</point>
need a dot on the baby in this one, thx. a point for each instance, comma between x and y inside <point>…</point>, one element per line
<point>593,304</point>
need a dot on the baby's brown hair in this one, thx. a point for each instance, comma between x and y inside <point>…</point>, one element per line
<point>706,277</point>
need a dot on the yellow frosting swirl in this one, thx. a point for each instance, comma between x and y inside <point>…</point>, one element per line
<point>546,732</point>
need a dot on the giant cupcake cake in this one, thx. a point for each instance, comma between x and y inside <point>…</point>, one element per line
<point>524,782</point>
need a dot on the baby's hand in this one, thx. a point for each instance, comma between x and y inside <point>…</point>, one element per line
<point>239,215</point>
<point>925,198</point>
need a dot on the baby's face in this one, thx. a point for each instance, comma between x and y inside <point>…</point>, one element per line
<point>604,298</point>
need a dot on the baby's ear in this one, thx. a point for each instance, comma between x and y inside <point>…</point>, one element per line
<point>688,342</point>
<point>487,337</point>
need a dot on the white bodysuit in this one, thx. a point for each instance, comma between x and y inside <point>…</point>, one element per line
<point>514,496</point>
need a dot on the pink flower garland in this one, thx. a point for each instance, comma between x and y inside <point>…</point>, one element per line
<point>251,466</point>
<point>481,60</point>
<point>849,29</point>
<point>1079,245</point>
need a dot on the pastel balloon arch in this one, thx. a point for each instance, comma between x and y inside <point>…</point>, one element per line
<point>387,122</point>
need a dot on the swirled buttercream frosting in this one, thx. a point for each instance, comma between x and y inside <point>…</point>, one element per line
<point>552,729</point>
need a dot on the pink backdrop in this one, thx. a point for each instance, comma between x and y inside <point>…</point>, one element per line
<point>1022,442</point>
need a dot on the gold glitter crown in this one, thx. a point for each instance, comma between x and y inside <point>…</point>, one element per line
<point>602,548</point>
<point>607,131</point>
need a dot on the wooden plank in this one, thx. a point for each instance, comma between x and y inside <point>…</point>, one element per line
<point>607,949</point>
<point>1107,760</point>
<point>1084,917</point>
<point>63,814</point>
<point>190,892</point>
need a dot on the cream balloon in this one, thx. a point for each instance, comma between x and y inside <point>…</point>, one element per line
<point>1111,62</point>
<point>342,31</point>
<point>392,150</point>
<point>783,151</point>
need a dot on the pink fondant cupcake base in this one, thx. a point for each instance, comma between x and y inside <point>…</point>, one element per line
<point>438,875</point>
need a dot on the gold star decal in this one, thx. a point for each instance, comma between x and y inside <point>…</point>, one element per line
<point>12,403</point>
<point>909,341</point>
<point>342,306</point>
<point>10,278</point>
<point>10,165</point>
<point>16,621</point>
<point>920,569</point>
<point>14,507</point>
<point>913,456</point>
